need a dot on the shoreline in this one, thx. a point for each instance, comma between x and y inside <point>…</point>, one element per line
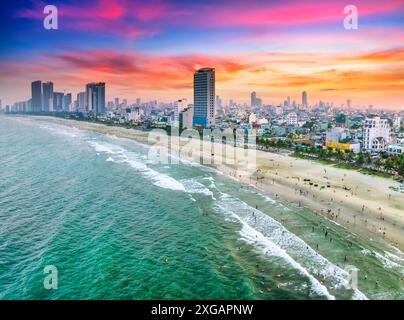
<point>363,204</point>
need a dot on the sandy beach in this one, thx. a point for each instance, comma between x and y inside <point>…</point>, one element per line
<point>364,204</point>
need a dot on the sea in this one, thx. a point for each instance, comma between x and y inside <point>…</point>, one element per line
<point>112,224</point>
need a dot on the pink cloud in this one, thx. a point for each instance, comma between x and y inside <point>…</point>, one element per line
<point>133,18</point>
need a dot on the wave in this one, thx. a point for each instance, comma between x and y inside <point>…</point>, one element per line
<point>280,242</point>
<point>193,186</point>
<point>124,156</point>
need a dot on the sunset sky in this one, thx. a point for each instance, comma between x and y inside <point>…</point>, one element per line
<point>150,49</point>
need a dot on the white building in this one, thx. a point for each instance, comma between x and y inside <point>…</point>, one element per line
<point>291,119</point>
<point>376,134</point>
<point>397,122</point>
<point>180,105</point>
<point>186,118</point>
<point>135,114</point>
<point>395,148</point>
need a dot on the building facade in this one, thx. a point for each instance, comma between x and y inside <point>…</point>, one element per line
<point>47,91</point>
<point>95,98</point>
<point>186,118</point>
<point>376,134</point>
<point>291,119</point>
<point>204,98</point>
<point>36,94</point>
<point>179,106</point>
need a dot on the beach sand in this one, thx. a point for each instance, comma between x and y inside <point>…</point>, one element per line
<point>364,204</point>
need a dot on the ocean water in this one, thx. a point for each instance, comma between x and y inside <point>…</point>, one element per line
<point>117,226</point>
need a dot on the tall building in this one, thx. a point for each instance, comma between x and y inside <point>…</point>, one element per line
<point>185,118</point>
<point>95,98</point>
<point>67,101</point>
<point>47,96</point>
<point>180,105</point>
<point>116,101</point>
<point>218,104</point>
<point>58,100</point>
<point>36,94</point>
<point>204,97</point>
<point>81,102</point>
<point>349,104</point>
<point>376,134</point>
<point>253,99</point>
<point>304,99</point>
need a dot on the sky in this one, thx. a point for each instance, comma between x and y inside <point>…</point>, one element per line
<point>150,49</point>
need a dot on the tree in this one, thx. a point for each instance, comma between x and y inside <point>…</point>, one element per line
<point>378,164</point>
<point>389,165</point>
<point>360,159</point>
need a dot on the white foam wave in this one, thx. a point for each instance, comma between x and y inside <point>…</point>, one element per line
<point>388,260</point>
<point>62,130</point>
<point>193,186</point>
<point>281,242</point>
<point>159,179</point>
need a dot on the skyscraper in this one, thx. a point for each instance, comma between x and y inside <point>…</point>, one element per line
<point>36,94</point>
<point>218,104</point>
<point>180,105</point>
<point>81,102</point>
<point>253,99</point>
<point>58,98</point>
<point>67,101</point>
<point>349,104</point>
<point>95,98</point>
<point>204,97</point>
<point>304,99</point>
<point>47,101</point>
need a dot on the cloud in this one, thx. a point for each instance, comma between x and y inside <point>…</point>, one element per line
<point>134,18</point>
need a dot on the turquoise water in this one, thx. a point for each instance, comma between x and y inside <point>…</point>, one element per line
<point>119,227</point>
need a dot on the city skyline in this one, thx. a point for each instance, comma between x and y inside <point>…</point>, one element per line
<point>150,50</point>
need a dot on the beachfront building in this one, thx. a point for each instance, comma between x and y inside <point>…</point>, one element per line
<point>376,134</point>
<point>36,96</point>
<point>47,101</point>
<point>179,106</point>
<point>58,100</point>
<point>67,103</point>
<point>204,98</point>
<point>186,118</point>
<point>81,102</point>
<point>95,98</point>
